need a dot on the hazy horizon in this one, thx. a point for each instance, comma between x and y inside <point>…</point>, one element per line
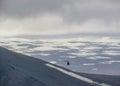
<point>59,17</point>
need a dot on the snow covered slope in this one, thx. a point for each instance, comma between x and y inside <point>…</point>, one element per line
<point>96,57</point>
<point>20,70</point>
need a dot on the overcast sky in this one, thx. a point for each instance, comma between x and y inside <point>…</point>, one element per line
<point>55,17</point>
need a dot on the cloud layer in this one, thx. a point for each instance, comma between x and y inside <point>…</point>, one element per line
<point>43,17</point>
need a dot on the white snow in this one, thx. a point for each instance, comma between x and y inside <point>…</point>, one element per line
<point>88,64</point>
<point>90,81</point>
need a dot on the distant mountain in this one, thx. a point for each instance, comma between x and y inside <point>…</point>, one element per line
<point>20,70</point>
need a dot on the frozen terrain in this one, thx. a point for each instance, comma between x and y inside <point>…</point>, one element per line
<point>97,56</point>
<point>20,70</point>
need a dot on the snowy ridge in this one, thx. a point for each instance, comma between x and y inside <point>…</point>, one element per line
<point>84,56</point>
<point>21,70</point>
<point>90,81</point>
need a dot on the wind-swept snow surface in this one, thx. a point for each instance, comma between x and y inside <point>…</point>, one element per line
<point>21,70</point>
<point>96,56</point>
<point>87,80</point>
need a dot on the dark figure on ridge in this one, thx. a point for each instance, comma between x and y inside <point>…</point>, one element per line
<point>68,63</point>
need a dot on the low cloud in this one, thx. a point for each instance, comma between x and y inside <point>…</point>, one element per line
<point>52,17</point>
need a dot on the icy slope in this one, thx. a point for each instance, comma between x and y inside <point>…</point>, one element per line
<point>90,56</point>
<point>21,70</point>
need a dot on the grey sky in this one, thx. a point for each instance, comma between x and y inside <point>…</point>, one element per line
<point>37,17</point>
